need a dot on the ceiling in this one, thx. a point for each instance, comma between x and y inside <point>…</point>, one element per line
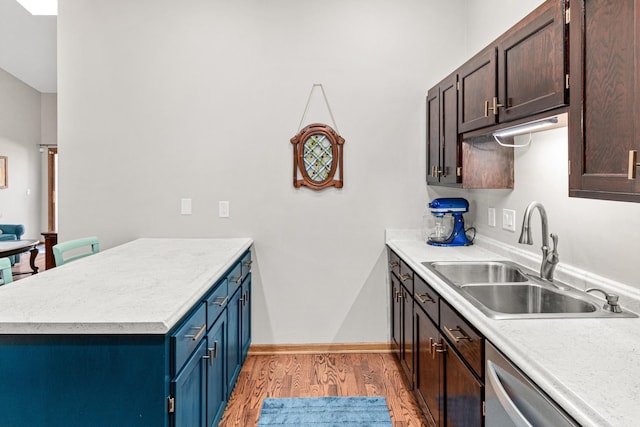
<point>28,46</point>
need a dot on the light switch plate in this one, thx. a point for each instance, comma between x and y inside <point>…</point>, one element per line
<point>185,206</point>
<point>509,219</point>
<point>491,217</point>
<point>223,209</point>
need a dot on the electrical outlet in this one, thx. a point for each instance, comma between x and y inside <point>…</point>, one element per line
<point>509,219</point>
<point>492,217</point>
<point>223,209</point>
<point>185,206</point>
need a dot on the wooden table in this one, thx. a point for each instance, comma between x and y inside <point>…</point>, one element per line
<point>14,247</point>
<point>50,240</point>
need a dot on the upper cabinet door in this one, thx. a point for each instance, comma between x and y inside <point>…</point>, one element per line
<point>451,157</point>
<point>433,135</point>
<point>444,159</point>
<point>531,64</point>
<point>477,97</point>
<point>603,115</point>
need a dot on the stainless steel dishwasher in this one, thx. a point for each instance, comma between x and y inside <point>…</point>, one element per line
<point>513,400</point>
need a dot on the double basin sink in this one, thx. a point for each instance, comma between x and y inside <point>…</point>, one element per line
<point>506,290</point>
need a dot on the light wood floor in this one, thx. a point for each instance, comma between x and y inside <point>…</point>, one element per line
<point>313,375</point>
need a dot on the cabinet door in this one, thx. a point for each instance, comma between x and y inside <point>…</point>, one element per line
<point>429,369</point>
<point>433,135</point>
<point>245,315</point>
<point>216,378</point>
<point>603,113</point>
<point>189,389</point>
<point>406,352</point>
<point>234,349</point>
<point>396,313</point>
<point>477,91</point>
<point>463,393</point>
<point>450,148</point>
<point>443,147</point>
<point>532,64</point>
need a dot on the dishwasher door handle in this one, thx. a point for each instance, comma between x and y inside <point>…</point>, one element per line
<point>507,403</point>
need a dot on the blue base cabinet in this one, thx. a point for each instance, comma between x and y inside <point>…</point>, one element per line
<point>181,379</point>
<point>190,390</point>
<point>83,380</point>
<point>245,318</point>
<point>233,343</point>
<point>216,389</point>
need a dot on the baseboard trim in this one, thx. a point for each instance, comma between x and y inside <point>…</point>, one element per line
<point>266,349</point>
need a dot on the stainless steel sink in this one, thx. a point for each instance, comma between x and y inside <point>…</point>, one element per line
<point>506,290</point>
<point>461,273</point>
<point>526,298</point>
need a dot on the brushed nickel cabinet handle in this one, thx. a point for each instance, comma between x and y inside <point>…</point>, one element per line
<point>405,277</point>
<point>486,108</point>
<point>210,355</point>
<point>394,264</point>
<point>248,263</point>
<point>456,338</point>
<point>237,279</point>
<point>220,301</point>
<point>244,298</point>
<point>198,333</point>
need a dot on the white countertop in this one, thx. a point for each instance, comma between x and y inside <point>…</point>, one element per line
<point>590,367</point>
<point>141,287</point>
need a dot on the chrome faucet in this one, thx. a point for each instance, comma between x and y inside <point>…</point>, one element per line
<point>549,258</point>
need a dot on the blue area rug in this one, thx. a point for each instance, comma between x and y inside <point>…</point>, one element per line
<point>325,412</point>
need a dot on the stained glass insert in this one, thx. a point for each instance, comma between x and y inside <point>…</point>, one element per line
<point>318,157</point>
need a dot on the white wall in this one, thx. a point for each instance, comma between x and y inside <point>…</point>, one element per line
<point>19,138</point>
<point>162,100</point>
<point>487,19</point>
<point>594,235</point>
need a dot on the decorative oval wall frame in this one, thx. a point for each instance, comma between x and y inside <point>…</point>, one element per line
<point>317,155</point>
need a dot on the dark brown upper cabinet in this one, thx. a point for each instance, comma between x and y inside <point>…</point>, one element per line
<point>443,148</point>
<point>478,88</point>
<point>477,163</point>
<point>532,64</point>
<point>521,74</point>
<point>605,99</point>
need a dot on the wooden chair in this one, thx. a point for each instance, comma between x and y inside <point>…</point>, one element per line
<point>78,248</point>
<point>5,271</point>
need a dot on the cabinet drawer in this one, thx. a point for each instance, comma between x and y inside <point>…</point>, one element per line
<point>426,298</point>
<point>245,264</point>
<point>463,337</point>
<point>188,336</point>
<point>217,301</point>
<point>234,278</point>
<point>394,263</point>
<point>406,276</point>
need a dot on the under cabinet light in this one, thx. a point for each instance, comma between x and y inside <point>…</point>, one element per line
<point>40,7</point>
<point>526,128</point>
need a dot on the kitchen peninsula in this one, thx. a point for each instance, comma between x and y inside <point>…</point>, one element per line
<point>117,338</point>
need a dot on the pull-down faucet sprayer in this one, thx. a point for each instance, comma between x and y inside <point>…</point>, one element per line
<point>549,259</point>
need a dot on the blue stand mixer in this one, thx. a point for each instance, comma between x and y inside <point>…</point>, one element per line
<point>448,225</point>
